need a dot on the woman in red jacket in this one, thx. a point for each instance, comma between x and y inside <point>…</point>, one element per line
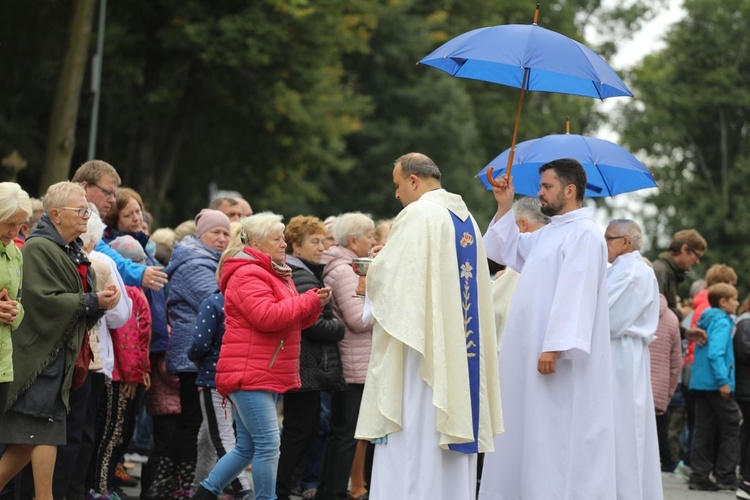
<point>259,356</point>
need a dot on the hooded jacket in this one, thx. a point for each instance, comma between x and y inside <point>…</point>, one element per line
<point>264,318</point>
<point>192,278</point>
<point>713,365</point>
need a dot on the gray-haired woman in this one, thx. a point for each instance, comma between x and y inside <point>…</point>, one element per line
<point>60,304</point>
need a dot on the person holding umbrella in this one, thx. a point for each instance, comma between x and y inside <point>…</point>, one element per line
<point>555,362</point>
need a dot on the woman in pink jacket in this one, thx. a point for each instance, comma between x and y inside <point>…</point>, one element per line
<point>259,356</point>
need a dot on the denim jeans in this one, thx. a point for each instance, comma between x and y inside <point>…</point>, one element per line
<point>258,440</point>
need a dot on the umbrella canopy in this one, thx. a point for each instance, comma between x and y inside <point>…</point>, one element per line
<point>555,63</point>
<point>610,169</point>
<point>529,58</point>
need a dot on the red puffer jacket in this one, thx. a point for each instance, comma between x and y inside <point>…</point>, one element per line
<point>264,318</point>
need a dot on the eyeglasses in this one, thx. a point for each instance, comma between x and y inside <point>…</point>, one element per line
<point>610,238</point>
<point>699,256</point>
<point>82,212</point>
<point>106,192</point>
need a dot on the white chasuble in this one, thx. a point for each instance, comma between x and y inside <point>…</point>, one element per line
<point>432,387</point>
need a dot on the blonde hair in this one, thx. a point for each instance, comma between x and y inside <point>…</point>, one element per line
<point>13,199</point>
<point>720,291</point>
<point>226,254</point>
<point>93,170</point>
<point>720,273</point>
<point>235,229</point>
<point>58,194</point>
<point>258,227</point>
<point>184,229</point>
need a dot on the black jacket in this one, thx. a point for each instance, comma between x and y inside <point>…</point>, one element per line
<point>319,359</point>
<point>742,358</point>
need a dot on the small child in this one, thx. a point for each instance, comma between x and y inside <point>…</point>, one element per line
<point>712,385</point>
<point>131,348</point>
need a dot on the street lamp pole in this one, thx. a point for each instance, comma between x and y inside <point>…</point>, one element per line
<point>96,78</point>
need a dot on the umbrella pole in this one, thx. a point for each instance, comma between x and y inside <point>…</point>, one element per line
<point>512,153</point>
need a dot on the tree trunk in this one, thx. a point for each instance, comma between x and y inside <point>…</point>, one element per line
<point>61,137</point>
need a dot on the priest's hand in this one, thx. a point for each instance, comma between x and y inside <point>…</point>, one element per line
<point>503,193</point>
<point>696,335</point>
<point>546,364</point>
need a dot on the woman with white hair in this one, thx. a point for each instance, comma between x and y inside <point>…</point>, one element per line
<point>259,356</point>
<point>49,353</point>
<point>354,238</point>
<point>15,208</point>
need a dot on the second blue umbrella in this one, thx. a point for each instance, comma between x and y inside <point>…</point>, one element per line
<point>610,169</point>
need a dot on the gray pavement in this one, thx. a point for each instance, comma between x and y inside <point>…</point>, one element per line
<point>675,488</point>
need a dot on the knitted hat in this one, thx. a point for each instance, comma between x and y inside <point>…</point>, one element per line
<point>128,247</point>
<point>208,219</point>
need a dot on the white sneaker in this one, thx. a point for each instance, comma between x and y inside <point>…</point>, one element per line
<point>683,470</point>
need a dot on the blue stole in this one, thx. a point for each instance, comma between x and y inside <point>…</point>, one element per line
<point>466,251</point>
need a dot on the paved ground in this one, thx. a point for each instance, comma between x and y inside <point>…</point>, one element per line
<point>675,488</point>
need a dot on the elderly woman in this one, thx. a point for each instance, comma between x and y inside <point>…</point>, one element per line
<point>15,209</point>
<point>320,363</point>
<point>354,238</point>
<point>259,356</point>
<point>192,278</point>
<point>50,355</point>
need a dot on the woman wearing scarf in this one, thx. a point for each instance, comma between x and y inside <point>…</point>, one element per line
<point>320,363</point>
<point>259,356</point>
<point>49,360</point>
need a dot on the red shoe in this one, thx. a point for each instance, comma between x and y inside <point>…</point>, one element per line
<point>123,478</point>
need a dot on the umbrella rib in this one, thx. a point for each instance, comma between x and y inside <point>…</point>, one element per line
<point>596,166</point>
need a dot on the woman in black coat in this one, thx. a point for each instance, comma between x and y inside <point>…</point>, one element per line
<point>320,363</point>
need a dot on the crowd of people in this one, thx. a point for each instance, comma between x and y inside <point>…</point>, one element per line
<point>235,342</point>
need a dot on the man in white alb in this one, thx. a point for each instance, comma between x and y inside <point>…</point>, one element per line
<point>431,399</point>
<point>529,218</point>
<point>555,362</point>
<point>633,318</point>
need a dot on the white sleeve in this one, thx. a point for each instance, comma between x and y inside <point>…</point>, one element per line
<point>120,314</point>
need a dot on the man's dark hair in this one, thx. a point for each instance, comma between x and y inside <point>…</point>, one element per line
<point>569,171</point>
<point>419,165</point>
<point>216,203</point>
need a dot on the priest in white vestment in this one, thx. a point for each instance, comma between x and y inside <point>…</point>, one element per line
<point>633,318</point>
<point>431,400</point>
<point>555,361</point>
<point>529,218</point>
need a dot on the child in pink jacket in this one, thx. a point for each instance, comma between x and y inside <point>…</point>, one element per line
<point>131,344</point>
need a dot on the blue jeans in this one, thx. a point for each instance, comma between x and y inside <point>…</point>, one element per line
<point>258,440</point>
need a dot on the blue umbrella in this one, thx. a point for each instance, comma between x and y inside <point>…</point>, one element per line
<point>610,169</point>
<point>530,58</point>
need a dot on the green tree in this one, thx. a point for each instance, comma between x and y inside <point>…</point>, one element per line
<point>461,124</point>
<point>692,121</point>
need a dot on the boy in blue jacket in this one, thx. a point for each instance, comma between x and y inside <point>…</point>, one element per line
<point>712,384</point>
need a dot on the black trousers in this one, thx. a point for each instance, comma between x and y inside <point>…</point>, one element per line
<point>185,443</point>
<point>164,432</point>
<point>714,413</point>
<point>341,445</point>
<point>67,455</point>
<point>662,434</point>
<point>301,423</point>
<point>77,484</point>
